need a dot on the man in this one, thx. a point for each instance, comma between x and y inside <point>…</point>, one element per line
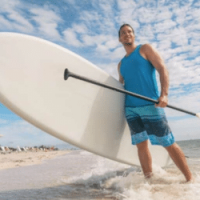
<point>145,120</point>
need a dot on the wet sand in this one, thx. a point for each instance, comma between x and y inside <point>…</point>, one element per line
<point>47,175</point>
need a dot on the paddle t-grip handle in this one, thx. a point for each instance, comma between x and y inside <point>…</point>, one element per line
<point>66,74</point>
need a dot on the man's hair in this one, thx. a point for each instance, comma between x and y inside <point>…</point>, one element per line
<point>126,25</point>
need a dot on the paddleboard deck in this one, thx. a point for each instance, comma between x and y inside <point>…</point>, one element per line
<point>82,114</point>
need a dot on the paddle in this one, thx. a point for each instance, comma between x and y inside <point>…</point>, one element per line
<point>68,74</point>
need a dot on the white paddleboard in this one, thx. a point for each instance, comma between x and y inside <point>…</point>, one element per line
<point>88,116</point>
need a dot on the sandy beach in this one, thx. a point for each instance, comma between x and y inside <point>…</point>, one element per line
<point>18,159</point>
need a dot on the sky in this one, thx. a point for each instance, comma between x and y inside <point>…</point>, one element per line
<point>90,29</point>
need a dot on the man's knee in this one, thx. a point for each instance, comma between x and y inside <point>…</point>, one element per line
<point>172,147</point>
<point>142,145</point>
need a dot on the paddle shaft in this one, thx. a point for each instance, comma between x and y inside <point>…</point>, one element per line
<point>68,74</point>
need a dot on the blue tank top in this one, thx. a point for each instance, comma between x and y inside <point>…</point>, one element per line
<point>139,77</point>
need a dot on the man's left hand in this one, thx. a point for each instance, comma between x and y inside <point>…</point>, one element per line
<point>163,101</point>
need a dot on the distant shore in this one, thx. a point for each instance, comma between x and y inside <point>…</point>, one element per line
<point>24,158</point>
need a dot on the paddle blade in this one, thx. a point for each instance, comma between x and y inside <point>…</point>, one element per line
<point>198,115</point>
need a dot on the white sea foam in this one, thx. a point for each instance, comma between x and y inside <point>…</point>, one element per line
<point>103,169</point>
<point>165,184</point>
<point>128,183</point>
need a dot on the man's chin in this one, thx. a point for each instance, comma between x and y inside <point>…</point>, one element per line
<point>128,43</point>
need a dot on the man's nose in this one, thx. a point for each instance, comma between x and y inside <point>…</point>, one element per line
<point>126,33</point>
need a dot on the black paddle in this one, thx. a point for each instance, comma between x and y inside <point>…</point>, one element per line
<point>68,74</point>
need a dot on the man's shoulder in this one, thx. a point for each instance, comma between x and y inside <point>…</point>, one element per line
<point>146,46</point>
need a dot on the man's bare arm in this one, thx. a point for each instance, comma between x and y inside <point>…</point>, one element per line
<point>121,80</point>
<point>154,57</point>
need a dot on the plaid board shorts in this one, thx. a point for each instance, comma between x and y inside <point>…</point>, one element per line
<point>149,122</point>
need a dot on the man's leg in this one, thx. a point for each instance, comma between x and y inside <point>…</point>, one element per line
<point>179,159</point>
<point>145,158</point>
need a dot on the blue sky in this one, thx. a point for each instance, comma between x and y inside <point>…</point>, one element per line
<point>90,29</point>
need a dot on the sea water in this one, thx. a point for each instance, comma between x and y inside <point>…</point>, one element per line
<point>82,175</point>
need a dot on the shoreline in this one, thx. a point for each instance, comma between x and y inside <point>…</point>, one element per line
<point>20,159</point>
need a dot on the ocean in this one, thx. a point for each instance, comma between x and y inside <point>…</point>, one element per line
<point>82,175</point>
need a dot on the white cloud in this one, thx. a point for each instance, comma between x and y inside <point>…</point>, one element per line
<point>163,14</point>
<point>185,129</point>
<point>47,21</point>
<point>145,15</point>
<point>72,2</point>
<point>183,75</point>
<point>18,127</point>
<point>102,50</point>
<point>5,23</point>
<point>185,100</point>
<point>89,40</point>
<point>89,17</point>
<point>197,4</point>
<point>111,69</point>
<point>70,37</point>
<point>145,34</point>
<point>80,28</point>
<point>3,121</point>
<point>13,18</point>
<point>112,43</point>
<point>96,39</point>
<point>105,46</point>
<point>22,24</point>
<point>126,4</point>
<point>118,54</point>
<point>102,44</point>
<point>179,36</point>
<point>127,18</point>
<point>8,7</point>
<point>22,133</point>
<point>14,15</point>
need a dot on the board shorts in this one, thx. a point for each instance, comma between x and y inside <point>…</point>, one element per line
<point>149,122</point>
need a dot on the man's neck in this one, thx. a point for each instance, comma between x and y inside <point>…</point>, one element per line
<point>129,48</point>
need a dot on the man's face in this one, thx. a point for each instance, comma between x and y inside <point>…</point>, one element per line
<point>127,36</point>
